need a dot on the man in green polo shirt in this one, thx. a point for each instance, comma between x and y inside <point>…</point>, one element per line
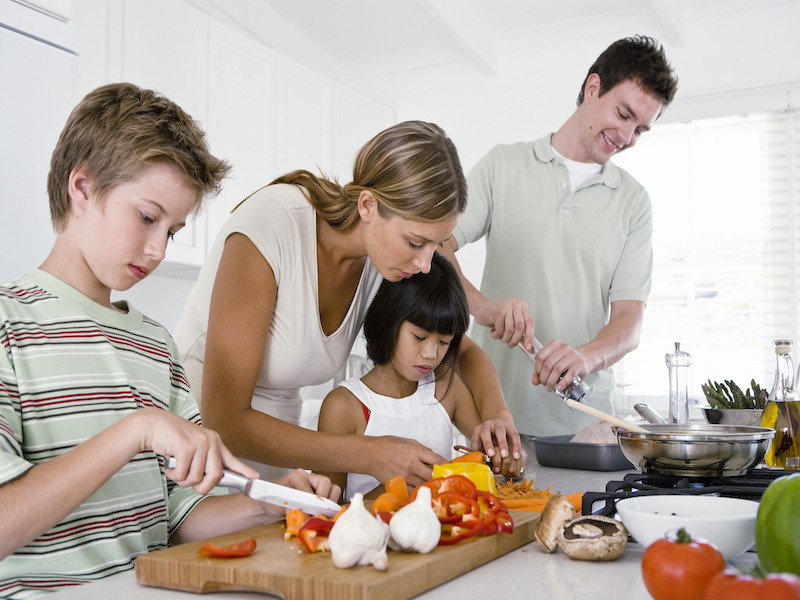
<point>568,242</point>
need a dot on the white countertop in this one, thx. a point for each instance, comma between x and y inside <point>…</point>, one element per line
<point>524,573</point>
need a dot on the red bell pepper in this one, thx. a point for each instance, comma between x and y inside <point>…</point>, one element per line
<point>314,534</point>
<point>455,532</point>
<point>504,522</point>
<point>451,507</point>
<point>239,550</point>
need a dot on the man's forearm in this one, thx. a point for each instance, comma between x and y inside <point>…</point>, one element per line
<point>619,337</point>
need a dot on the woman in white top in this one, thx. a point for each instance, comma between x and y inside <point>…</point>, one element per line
<point>285,289</point>
<point>413,329</point>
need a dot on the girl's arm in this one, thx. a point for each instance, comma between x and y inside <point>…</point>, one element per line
<point>341,413</point>
<point>497,428</point>
<point>242,304</point>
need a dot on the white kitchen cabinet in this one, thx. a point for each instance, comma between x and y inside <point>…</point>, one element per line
<point>164,45</point>
<point>241,118</point>
<point>305,125</point>
<point>263,112</point>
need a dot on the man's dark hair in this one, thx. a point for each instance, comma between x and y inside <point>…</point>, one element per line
<point>640,59</point>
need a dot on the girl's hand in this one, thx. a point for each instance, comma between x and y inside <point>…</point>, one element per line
<point>199,452</point>
<point>493,437</point>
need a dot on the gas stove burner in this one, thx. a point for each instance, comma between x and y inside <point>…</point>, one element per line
<point>749,486</point>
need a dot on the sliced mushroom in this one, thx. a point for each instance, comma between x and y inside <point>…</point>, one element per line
<point>593,537</point>
<point>557,512</point>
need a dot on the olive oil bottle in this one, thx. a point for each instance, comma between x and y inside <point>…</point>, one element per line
<point>782,412</point>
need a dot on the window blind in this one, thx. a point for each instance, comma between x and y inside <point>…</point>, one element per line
<point>726,258</point>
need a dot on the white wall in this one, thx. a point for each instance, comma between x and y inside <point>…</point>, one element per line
<point>744,61</point>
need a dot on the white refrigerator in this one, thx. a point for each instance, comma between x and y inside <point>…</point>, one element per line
<point>38,89</point>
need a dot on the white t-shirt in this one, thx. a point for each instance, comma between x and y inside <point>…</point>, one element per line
<point>281,223</point>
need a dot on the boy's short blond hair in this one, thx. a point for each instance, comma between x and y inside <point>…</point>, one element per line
<point>119,130</point>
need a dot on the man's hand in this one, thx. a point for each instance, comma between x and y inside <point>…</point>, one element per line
<point>557,364</point>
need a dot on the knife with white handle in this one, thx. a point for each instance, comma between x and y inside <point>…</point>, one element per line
<point>273,493</point>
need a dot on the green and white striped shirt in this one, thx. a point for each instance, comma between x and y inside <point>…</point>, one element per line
<point>69,368</point>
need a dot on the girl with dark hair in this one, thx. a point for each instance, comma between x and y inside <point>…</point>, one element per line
<point>413,330</point>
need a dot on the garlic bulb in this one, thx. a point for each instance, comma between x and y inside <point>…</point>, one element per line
<point>415,527</point>
<point>359,538</point>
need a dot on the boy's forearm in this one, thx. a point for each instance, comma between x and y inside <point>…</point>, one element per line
<point>45,494</point>
<point>217,515</point>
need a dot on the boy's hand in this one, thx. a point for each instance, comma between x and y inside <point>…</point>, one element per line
<point>199,452</point>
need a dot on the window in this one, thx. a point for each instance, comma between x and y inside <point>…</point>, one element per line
<point>726,264</point>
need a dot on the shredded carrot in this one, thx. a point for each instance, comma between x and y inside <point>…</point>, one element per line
<point>577,501</point>
<point>294,519</point>
<point>523,496</point>
<point>386,502</point>
<point>397,486</point>
<point>339,514</point>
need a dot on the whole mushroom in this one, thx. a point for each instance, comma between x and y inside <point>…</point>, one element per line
<point>593,537</point>
<point>556,514</point>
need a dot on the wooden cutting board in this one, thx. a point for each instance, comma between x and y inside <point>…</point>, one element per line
<point>286,569</point>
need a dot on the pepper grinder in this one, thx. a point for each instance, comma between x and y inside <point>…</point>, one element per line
<point>678,363</point>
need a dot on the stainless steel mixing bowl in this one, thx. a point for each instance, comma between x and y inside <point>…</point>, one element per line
<point>695,450</point>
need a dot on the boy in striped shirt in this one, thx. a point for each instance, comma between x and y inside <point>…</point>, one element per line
<point>93,395</point>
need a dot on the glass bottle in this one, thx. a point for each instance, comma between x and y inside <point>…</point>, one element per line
<point>782,412</point>
<point>678,363</point>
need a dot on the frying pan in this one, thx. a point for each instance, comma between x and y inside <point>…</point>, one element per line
<point>695,450</point>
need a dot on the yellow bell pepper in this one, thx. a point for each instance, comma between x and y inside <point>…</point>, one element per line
<point>477,473</point>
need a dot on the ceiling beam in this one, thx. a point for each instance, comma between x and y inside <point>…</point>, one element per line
<point>671,18</point>
<point>263,23</point>
<point>461,22</point>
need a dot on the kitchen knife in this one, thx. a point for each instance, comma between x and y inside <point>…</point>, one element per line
<point>273,493</point>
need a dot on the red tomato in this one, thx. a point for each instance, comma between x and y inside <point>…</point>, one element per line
<point>730,585</point>
<point>244,548</point>
<point>680,569</point>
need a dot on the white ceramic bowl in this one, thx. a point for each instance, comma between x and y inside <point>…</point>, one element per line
<point>728,523</point>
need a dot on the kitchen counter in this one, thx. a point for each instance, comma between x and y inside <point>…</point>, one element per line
<point>524,573</point>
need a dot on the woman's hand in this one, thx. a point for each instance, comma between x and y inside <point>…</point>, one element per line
<point>392,456</point>
<point>499,440</point>
<point>299,479</point>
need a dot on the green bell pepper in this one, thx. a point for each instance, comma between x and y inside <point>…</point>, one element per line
<point>778,526</point>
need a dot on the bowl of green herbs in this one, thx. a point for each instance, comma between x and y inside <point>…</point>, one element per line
<point>729,405</point>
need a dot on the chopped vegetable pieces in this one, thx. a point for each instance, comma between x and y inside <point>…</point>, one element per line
<point>245,548</point>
